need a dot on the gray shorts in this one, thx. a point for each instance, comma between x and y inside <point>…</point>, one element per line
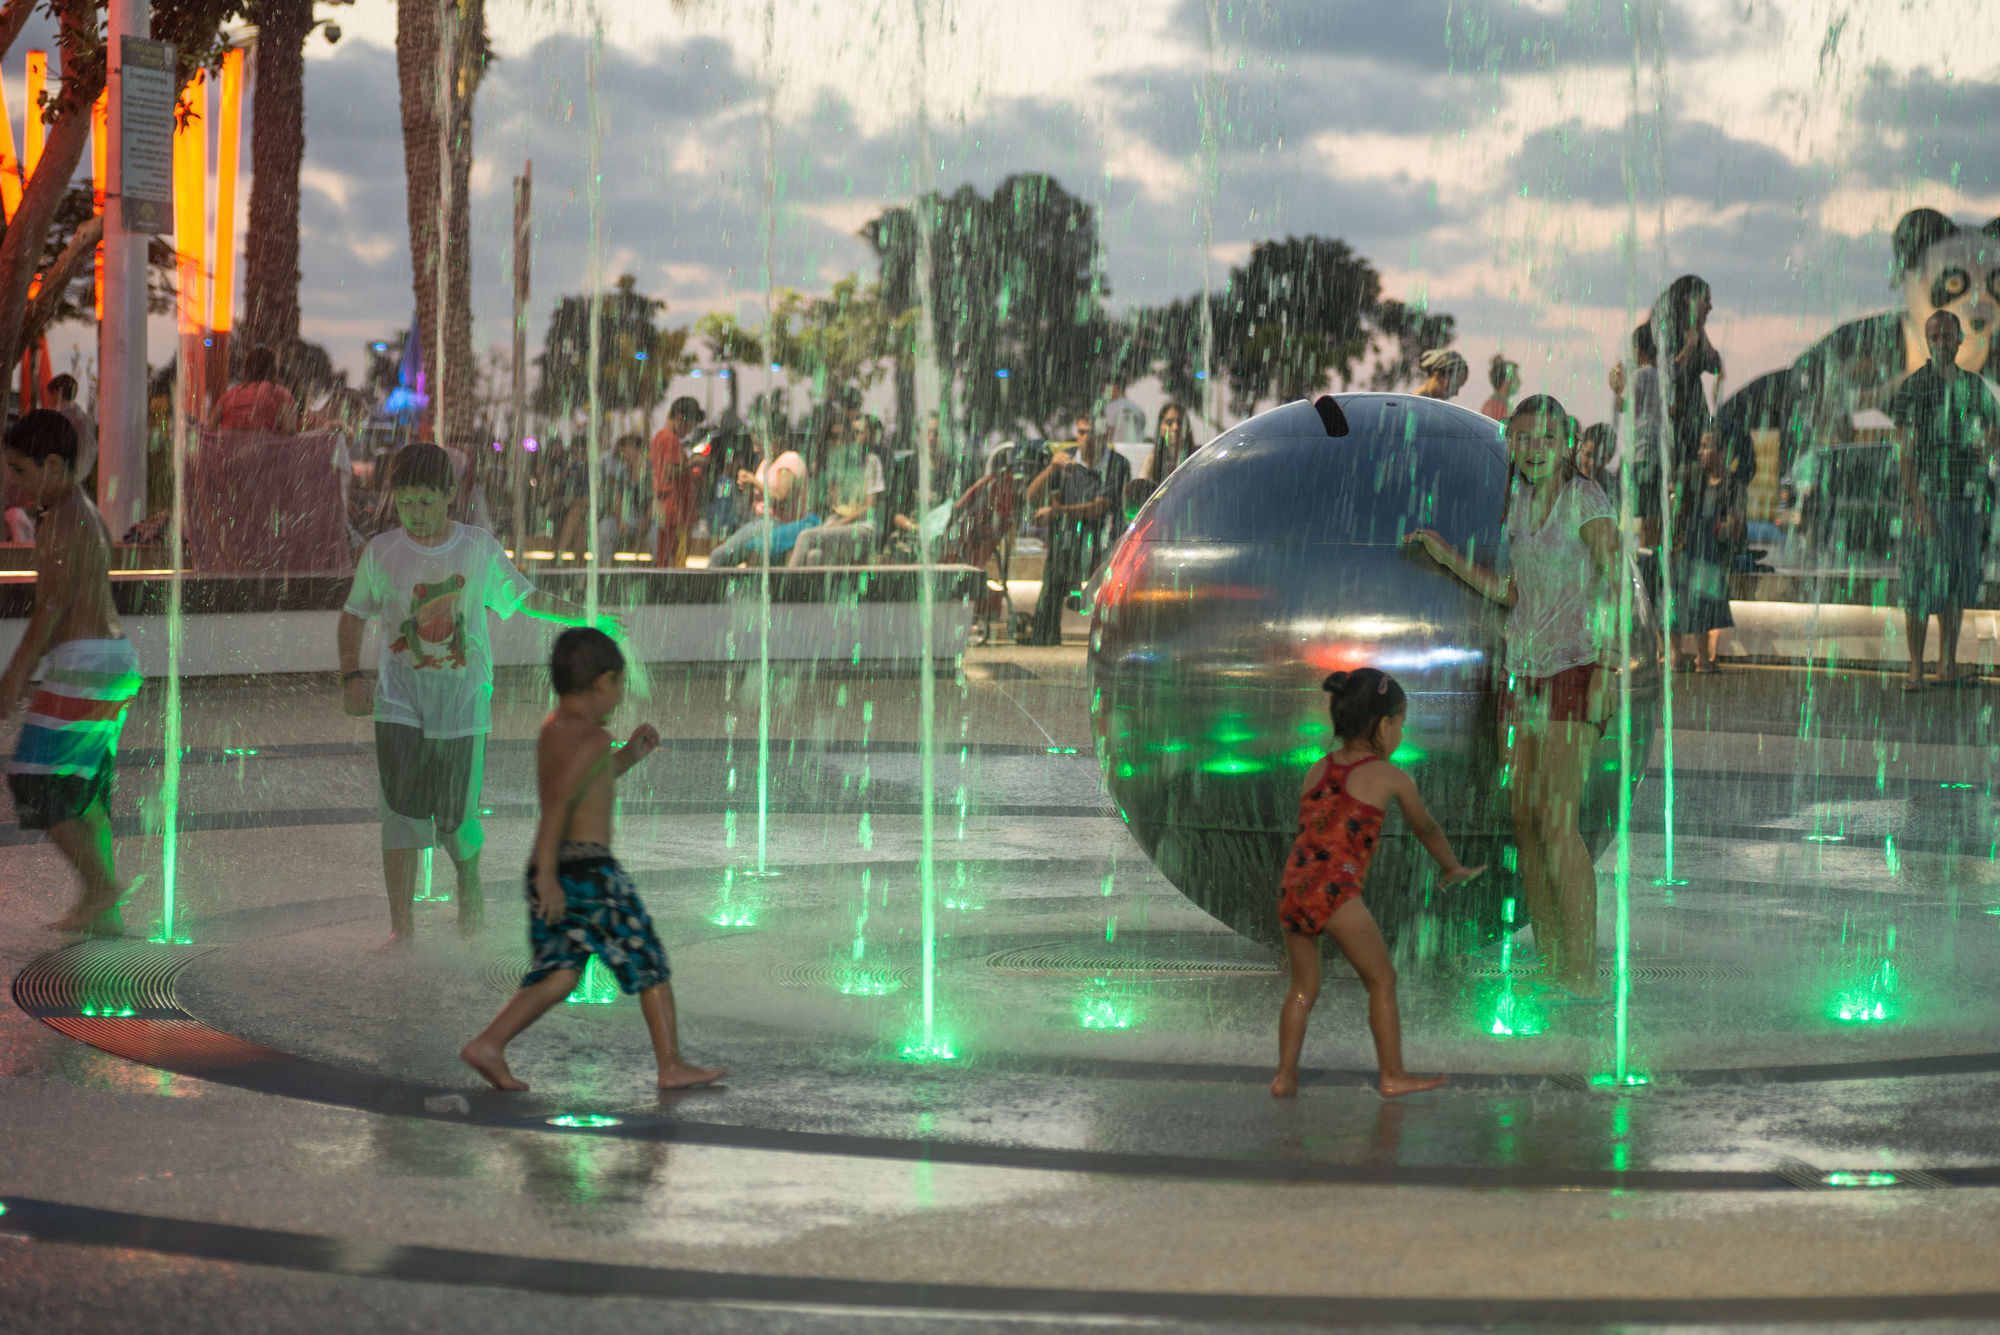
<point>429,789</point>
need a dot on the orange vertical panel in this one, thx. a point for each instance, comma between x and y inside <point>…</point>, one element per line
<point>191,236</point>
<point>100,150</point>
<point>229,132</point>
<point>33,130</point>
<point>10,159</point>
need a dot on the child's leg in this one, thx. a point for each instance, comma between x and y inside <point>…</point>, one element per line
<point>1949,621</point>
<point>1353,929</point>
<point>1915,630</point>
<point>471,897</point>
<point>464,842</point>
<point>656,1003</point>
<point>1571,877</point>
<point>487,1054</point>
<point>1532,858</point>
<point>86,842</point>
<point>399,873</point>
<point>1302,955</point>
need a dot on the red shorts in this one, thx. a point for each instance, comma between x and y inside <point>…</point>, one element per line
<point>1562,698</point>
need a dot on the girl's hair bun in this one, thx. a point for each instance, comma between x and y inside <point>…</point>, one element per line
<point>1361,699</point>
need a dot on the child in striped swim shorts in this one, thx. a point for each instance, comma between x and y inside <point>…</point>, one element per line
<point>61,772</point>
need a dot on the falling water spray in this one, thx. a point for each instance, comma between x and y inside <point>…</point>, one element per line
<point>928,1044</point>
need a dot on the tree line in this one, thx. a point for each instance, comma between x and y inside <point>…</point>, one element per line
<point>1019,322</point>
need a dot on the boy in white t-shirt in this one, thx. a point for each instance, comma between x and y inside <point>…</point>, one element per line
<point>431,582</point>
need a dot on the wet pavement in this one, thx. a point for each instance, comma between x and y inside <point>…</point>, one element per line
<point>288,1137</point>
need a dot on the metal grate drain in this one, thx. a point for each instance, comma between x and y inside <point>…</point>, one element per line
<point>116,977</point>
<point>1643,971</point>
<point>862,979</point>
<point>1067,960</point>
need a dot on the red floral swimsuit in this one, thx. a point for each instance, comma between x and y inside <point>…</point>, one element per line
<point>1330,855</point>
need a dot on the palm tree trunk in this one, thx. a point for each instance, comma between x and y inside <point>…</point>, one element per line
<point>277,148</point>
<point>417,38</point>
<point>419,35</point>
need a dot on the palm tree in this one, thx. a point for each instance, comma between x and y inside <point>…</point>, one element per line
<point>430,121</point>
<point>277,148</point>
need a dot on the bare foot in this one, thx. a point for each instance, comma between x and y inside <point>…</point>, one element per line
<point>682,1076</point>
<point>1285,1085</point>
<point>398,941</point>
<point>471,916</point>
<point>1395,1086</point>
<point>489,1062</point>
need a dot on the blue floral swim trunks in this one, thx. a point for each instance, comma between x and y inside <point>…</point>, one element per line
<point>602,917</point>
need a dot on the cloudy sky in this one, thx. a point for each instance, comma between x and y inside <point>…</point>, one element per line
<point>1491,157</point>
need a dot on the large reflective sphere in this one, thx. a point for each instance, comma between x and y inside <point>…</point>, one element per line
<point>1271,558</point>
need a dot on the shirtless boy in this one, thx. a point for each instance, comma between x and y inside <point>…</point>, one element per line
<point>581,902</point>
<point>61,772</point>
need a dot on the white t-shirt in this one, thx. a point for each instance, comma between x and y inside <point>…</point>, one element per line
<point>794,505</point>
<point>437,659</point>
<point>1552,625</point>
<point>1124,421</point>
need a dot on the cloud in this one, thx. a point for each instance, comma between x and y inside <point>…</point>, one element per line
<point>1575,162</point>
<point>1441,35</point>
<point>1919,127</point>
<point>1267,104</point>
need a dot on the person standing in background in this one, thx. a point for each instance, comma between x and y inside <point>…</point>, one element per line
<point>1173,442</point>
<point>62,389</point>
<point>673,481</point>
<point>1947,429</point>
<point>1445,373</point>
<point>257,402</point>
<point>1124,422</point>
<point>1083,490</point>
<point>1505,377</point>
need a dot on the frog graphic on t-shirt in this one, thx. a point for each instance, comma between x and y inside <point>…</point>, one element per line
<point>434,634</point>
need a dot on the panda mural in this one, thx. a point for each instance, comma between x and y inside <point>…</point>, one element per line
<point>1938,265</point>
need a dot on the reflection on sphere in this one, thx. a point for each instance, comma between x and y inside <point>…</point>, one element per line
<point>1271,558</point>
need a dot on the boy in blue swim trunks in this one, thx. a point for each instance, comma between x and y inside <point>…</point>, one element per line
<point>581,901</point>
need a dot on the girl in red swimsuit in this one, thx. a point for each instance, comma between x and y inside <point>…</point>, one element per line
<point>1340,818</point>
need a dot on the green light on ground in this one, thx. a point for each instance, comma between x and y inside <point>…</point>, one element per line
<point>1103,1013</point>
<point>736,915</point>
<point>596,987</point>
<point>1955,785</point>
<point>938,1048</point>
<point>1172,747</point>
<point>1632,1080</point>
<point>1872,1002</point>
<point>1234,765</point>
<point>1873,1179</point>
<point>1516,1015</point>
<point>1304,755</point>
<point>1407,754</point>
<point>105,1012</point>
<point>585,1121</point>
<point>1063,751</point>
<point>251,751</point>
<point>867,983</point>
<point>1826,838</point>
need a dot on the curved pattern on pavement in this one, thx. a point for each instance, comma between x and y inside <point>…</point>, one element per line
<point>118,996</point>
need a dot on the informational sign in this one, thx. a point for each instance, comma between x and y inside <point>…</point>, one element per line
<point>146,135</point>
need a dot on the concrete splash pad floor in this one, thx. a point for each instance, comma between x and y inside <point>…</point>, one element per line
<point>289,1099</point>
